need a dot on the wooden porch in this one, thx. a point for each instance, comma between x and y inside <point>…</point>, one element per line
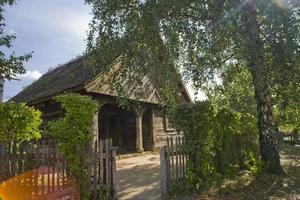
<point>131,130</point>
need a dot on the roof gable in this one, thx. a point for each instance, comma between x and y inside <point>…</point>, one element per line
<point>102,83</point>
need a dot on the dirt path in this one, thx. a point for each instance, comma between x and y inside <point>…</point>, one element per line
<point>139,177</point>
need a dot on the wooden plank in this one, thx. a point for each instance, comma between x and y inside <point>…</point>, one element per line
<point>14,159</point>
<point>109,169</point>
<point>57,171</point>
<point>54,160</point>
<point>164,172</point>
<point>100,164</point>
<point>36,173</point>
<point>168,164</point>
<point>179,157</point>
<point>114,174</point>
<point>172,160</point>
<point>95,169</point>
<point>43,148</point>
<point>106,166</point>
<point>101,161</point>
<point>176,154</point>
<point>183,157</point>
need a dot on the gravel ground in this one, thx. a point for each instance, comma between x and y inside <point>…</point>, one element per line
<point>138,177</point>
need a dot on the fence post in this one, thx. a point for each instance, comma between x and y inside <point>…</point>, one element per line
<point>113,172</point>
<point>163,172</point>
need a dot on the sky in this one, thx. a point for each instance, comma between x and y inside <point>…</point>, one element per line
<point>55,30</point>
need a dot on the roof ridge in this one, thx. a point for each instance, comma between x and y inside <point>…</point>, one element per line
<point>59,66</point>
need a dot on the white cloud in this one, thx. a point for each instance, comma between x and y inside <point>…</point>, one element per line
<point>31,74</point>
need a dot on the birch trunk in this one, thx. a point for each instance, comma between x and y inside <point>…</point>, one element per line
<point>255,55</point>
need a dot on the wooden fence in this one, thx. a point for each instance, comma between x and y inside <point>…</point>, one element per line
<point>291,138</point>
<point>37,168</point>
<point>173,160</point>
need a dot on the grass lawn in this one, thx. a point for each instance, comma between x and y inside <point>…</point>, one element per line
<point>246,186</point>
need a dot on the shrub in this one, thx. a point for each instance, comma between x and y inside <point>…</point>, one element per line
<point>196,121</point>
<point>73,134</point>
<point>219,140</point>
<point>19,122</point>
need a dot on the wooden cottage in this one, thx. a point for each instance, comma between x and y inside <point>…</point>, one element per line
<point>138,129</point>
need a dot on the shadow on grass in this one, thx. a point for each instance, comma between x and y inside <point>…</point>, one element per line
<point>266,186</point>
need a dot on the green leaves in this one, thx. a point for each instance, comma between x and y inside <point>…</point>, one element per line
<point>74,133</point>
<point>218,140</point>
<point>201,39</point>
<point>19,122</point>
<point>10,65</point>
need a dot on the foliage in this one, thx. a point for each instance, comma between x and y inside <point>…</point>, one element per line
<point>10,65</point>
<point>196,123</point>
<point>219,141</point>
<point>73,134</point>
<point>235,92</point>
<point>289,118</point>
<point>19,122</point>
<point>202,39</point>
<point>236,136</point>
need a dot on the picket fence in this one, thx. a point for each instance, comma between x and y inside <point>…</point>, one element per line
<point>173,163</point>
<point>37,167</point>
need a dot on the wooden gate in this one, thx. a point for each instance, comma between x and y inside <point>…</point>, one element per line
<point>173,162</point>
<point>37,168</point>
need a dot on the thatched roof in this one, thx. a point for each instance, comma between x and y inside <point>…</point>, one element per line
<point>74,74</point>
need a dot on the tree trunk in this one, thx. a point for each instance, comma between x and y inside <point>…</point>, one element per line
<point>255,54</point>
<point>1,89</point>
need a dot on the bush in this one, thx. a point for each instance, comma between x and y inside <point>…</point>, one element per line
<point>73,134</point>
<point>236,135</point>
<point>219,140</point>
<point>196,121</point>
<point>19,122</point>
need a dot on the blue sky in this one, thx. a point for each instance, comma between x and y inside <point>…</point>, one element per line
<point>55,30</point>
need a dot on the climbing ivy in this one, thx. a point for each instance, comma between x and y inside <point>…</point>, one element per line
<point>19,122</point>
<point>73,134</point>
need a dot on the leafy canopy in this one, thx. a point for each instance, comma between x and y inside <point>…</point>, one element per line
<point>199,37</point>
